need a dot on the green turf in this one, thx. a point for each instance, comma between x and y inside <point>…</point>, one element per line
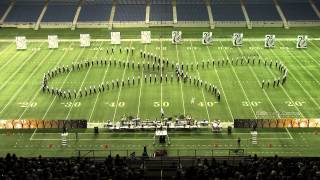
<point>242,97</point>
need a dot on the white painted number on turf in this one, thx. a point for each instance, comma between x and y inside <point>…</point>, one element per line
<point>71,104</point>
<point>164,104</point>
<point>164,48</point>
<point>114,104</point>
<point>202,104</point>
<point>251,103</point>
<point>192,48</point>
<point>223,48</point>
<point>295,103</point>
<point>27,104</point>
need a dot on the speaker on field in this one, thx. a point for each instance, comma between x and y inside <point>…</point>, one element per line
<point>96,130</point>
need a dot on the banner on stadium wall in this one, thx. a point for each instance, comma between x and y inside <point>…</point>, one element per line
<point>237,39</point>
<point>277,123</point>
<point>115,38</point>
<point>302,41</point>
<point>146,37</point>
<point>85,40</point>
<point>45,124</point>
<point>207,38</point>
<point>21,43</point>
<point>176,37</point>
<point>53,42</point>
<point>269,41</point>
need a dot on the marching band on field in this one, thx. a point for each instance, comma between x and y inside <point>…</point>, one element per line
<point>154,63</point>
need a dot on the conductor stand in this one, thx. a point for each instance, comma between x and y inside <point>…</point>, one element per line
<point>161,135</point>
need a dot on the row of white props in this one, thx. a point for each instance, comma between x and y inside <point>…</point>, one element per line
<point>207,39</point>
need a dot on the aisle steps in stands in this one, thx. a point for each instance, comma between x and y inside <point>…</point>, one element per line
<point>174,11</point>
<point>36,27</point>
<point>245,13</point>
<point>314,7</point>
<point>76,16</point>
<point>210,14</point>
<point>283,18</point>
<point>7,12</point>
<point>113,11</point>
<point>148,12</point>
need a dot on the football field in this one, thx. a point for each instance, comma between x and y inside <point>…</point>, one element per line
<point>239,83</point>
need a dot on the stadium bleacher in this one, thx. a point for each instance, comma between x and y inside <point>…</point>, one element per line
<point>127,10</point>
<point>161,10</point>
<point>191,10</point>
<point>297,10</point>
<point>4,4</point>
<point>263,10</point>
<point>60,11</point>
<point>95,11</point>
<point>13,167</point>
<point>25,11</point>
<point>317,3</point>
<point>227,10</point>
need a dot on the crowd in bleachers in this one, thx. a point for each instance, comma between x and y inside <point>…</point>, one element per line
<point>12,167</point>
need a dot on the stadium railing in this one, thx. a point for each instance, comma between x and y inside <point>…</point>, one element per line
<point>178,153</point>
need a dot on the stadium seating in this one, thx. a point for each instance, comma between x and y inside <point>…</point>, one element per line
<point>12,167</point>
<point>297,10</point>
<point>161,10</point>
<point>60,11</point>
<point>262,10</point>
<point>95,11</point>
<point>4,4</point>
<point>25,11</point>
<point>191,10</point>
<point>130,10</point>
<point>317,3</point>
<point>227,10</point>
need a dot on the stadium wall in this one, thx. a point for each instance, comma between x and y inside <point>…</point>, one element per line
<point>121,24</point>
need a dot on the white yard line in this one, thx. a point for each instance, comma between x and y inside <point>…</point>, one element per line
<point>34,132</point>
<point>294,77</point>
<point>313,59</point>
<point>204,98</point>
<point>264,91</point>
<point>20,67</point>
<point>38,92</point>
<point>301,65</point>
<point>10,59</point>
<point>284,90</point>
<point>289,133</point>
<point>141,82</point>
<point>84,79</point>
<point>124,71</point>
<point>184,109</point>
<point>225,95</point>
<point>95,102</point>
<point>25,82</point>
<point>244,92</point>
<point>64,81</point>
